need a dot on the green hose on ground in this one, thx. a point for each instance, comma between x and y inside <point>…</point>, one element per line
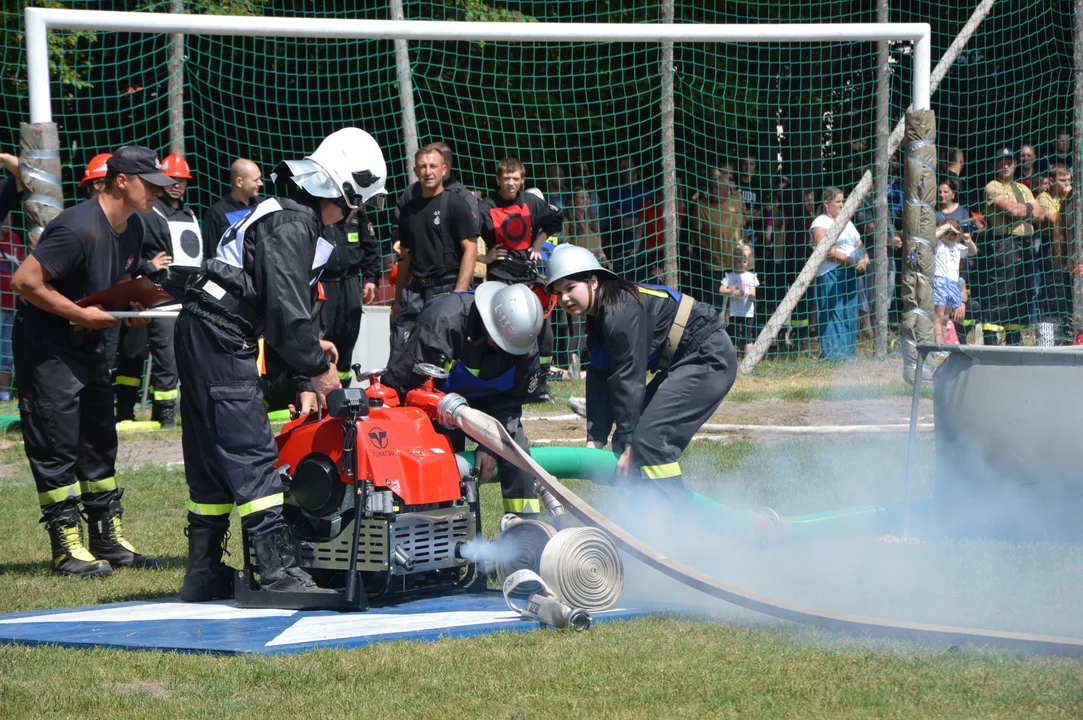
<point>599,466</point>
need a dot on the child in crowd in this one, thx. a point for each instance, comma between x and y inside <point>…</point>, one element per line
<point>952,245</point>
<point>739,286</point>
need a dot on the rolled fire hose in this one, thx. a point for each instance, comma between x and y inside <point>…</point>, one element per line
<point>580,565</point>
<point>583,568</point>
<point>542,604</point>
<point>521,543</point>
<point>454,412</point>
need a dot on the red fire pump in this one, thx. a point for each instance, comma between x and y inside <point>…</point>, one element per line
<point>372,459</point>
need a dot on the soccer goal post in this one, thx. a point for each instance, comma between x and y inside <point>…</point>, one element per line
<point>517,38</point>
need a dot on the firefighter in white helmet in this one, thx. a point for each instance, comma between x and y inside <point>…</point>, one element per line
<point>261,281</point>
<point>487,341</point>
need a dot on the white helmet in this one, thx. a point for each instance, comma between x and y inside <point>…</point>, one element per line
<point>512,315</point>
<point>348,164</point>
<point>536,193</point>
<point>567,260</point>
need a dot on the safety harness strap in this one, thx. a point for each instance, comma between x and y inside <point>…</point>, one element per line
<point>676,332</point>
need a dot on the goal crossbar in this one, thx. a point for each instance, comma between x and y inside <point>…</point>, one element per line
<point>39,21</point>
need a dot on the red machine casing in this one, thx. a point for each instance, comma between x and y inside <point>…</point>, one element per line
<point>426,397</point>
<point>397,449</point>
<point>377,390</point>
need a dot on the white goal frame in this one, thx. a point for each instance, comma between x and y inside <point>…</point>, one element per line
<point>39,21</point>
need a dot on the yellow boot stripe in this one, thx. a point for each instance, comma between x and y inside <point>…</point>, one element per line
<point>209,508</point>
<point>163,395</point>
<point>522,505</point>
<point>262,503</point>
<point>58,494</point>
<point>96,486</point>
<point>661,472</point>
<point>129,381</point>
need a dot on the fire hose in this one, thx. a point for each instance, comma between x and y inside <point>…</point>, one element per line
<point>563,574</point>
<point>454,412</point>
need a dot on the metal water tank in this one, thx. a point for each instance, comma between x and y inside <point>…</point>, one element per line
<point>1009,442</point>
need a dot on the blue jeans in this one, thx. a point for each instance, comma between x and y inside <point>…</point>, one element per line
<point>7,321</point>
<point>836,310</point>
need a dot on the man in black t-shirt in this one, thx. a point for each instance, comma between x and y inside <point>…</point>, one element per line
<point>437,231</point>
<point>66,398</point>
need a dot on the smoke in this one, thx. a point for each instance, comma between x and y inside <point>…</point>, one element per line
<point>974,556</point>
<point>491,552</point>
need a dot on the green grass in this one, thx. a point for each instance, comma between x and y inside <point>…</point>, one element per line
<point>660,666</point>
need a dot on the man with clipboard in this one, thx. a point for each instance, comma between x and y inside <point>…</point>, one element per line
<point>66,397</point>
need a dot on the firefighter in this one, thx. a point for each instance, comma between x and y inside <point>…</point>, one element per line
<point>487,340</point>
<point>66,400</point>
<point>261,281</point>
<point>515,225</point>
<point>172,256</point>
<point>437,234</point>
<point>94,175</point>
<point>636,329</point>
<point>349,281</point>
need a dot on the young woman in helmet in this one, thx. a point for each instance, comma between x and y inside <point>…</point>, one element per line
<point>633,330</point>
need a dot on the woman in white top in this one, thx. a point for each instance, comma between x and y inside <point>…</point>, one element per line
<point>836,282</point>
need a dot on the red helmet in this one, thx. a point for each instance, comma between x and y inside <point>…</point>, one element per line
<point>175,167</point>
<point>95,169</point>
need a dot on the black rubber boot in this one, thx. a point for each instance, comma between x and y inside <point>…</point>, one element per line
<point>107,538</point>
<point>278,568</point>
<point>70,555</point>
<point>164,411</point>
<point>543,385</point>
<point>127,397</point>
<point>207,577</point>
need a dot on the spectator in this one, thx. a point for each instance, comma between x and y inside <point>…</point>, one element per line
<point>11,255</point>
<point>753,191</point>
<point>1010,213</point>
<point>1062,150</point>
<point>245,182</point>
<point>719,221</point>
<point>654,240</point>
<point>949,207</point>
<point>626,209</point>
<point>952,245</point>
<point>798,212</point>
<point>1027,173</point>
<point>1054,261</point>
<point>581,228</point>
<point>584,178</point>
<point>895,189</point>
<point>739,286</point>
<point>951,168</point>
<point>556,187</point>
<point>836,281</point>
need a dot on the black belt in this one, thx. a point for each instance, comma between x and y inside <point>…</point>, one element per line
<point>433,282</point>
<point>213,296</point>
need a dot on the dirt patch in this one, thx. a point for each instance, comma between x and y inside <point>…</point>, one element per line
<point>133,453</point>
<point>874,411</point>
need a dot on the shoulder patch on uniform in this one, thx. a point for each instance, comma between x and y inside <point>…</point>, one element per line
<point>533,384</point>
<point>370,229</point>
<point>353,237</point>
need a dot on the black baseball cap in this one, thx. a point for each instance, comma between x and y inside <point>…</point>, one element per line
<point>141,161</point>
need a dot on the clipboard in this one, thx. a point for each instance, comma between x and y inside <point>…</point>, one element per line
<point>142,290</point>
